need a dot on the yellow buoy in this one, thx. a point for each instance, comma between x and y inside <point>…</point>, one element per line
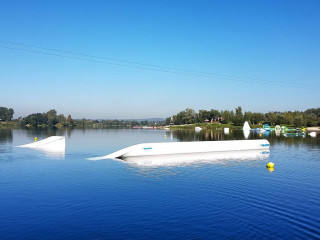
<point>165,136</point>
<point>270,165</point>
<point>35,139</point>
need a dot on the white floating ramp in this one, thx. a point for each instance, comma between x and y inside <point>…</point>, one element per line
<point>246,126</point>
<point>51,144</point>
<point>225,158</point>
<point>170,148</point>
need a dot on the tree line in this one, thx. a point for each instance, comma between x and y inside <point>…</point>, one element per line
<point>87,123</point>
<point>308,118</point>
<point>50,118</point>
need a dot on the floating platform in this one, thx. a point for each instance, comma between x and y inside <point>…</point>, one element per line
<point>173,148</point>
<point>298,134</point>
<point>225,158</point>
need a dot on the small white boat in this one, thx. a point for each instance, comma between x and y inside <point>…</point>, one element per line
<point>170,148</point>
<point>226,130</point>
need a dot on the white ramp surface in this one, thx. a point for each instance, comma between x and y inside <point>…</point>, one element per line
<point>54,144</point>
<point>167,148</point>
<point>225,158</point>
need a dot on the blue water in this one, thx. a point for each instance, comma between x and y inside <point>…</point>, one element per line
<point>44,196</point>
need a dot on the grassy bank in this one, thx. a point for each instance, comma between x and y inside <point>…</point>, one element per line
<point>9,124</point>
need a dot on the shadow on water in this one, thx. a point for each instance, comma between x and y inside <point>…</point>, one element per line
<point>45,132</point>
<point>6,136</point>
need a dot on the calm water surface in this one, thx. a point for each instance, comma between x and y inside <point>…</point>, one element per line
<point>45,196</point>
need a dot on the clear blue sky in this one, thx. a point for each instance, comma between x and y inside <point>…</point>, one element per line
<point>274,41</point>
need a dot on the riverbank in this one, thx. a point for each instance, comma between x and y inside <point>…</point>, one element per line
<point>99,125</point>
<point>313,129</point>
<point>9,124</point>
<point>207,126</point>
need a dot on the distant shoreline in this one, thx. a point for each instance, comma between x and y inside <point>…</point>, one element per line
<point>205,126</point>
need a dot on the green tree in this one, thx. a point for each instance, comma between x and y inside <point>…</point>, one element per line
<point>298,121</point>
<point>315,111</point>
<point>288,118</point>
<point>311,119</point>
<point>6,114</point>
<point>70,120</point>
<point>271,117</point>
<point>239,120</point>
<point>248,116</point>
<point>228,116</point>
<point>62,119</point>
<point>52,117</point>
<point>258,118</point>
<point>35,119</point>
<point>168,119</point>
<point>214,113</point>
<point>190,116</point>
<point>203,115</point>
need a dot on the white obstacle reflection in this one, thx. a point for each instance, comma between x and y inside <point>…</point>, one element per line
<point>174,160</point>
<point>246,133</point>
<point>53,146</point>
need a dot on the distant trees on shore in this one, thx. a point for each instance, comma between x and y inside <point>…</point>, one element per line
<point>87,123</point>
<point>49,118</point>
<point>52,119</point>
<point>6,114</point>
<point>310,117</point>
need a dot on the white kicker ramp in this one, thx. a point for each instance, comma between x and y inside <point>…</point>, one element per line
<point>170,148</point>
<point>246,126</point>
<point>54,144</point>
<point>232,157</point>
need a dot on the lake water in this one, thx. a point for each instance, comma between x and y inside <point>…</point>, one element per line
<point>45,196</point>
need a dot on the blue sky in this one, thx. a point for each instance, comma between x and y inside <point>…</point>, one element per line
<point>276,42</point>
